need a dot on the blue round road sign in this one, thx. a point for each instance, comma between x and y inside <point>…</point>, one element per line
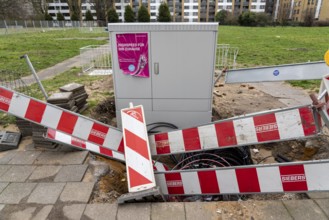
<point>276,72</point>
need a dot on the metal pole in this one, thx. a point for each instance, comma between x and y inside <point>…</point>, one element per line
<point>35,75</point>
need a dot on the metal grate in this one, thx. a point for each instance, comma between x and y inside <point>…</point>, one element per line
<point>226,57</point>
<point>12,80</point>
<point>96,60</point>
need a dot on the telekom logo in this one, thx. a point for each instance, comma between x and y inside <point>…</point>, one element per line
<point>174,183</point>
<point>134,114</point>
<point>293,178</point>
<point>5,100</point>
<point>98,133</point>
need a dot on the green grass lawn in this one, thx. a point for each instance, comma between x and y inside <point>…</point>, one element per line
<point>52,85</point>
<point>44,49</point>
<point>265,46</point>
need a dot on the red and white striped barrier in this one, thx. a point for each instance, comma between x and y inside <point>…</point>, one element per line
<point>137,151</point>
<point>59,119</point>
<point>279,125</point>
<point>63,138</point>
<point>274,178</point>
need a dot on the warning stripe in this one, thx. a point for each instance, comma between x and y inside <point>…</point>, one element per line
<point>276,125</point>
<point>59,119</point>
<point>63,138</point>
<point>137,152</point>
<point>273,178</point>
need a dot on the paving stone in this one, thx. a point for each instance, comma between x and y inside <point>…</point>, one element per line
<point>17,174</point>
<point>46,193</point>
<point>262,210</point>
<point>71,173</point>
<point>44,173</point>
<point>3,169</point>
<point>3,186</point>
<point>134,211</point>
<point>15,192</point>
<point>304,209</point>
<point>74,211</point>
<point>26,212</point>
<point>324,205</point>
<point>5,157</point>
<point>100,211</point>
<point>25,157</point>
<point>200,210</point>
<point>170,211</point>
<point>318,195</point>
<point>61,158</point>
<point>77,192</point>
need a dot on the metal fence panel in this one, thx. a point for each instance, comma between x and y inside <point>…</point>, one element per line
<point>96,60</point>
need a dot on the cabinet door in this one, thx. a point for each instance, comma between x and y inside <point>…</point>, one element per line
<point>184,63</point>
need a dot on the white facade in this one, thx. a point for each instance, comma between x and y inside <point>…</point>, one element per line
<point>225,5</point>
<point>57,6</point>
<point>191,8</point>
<point>258,5</point>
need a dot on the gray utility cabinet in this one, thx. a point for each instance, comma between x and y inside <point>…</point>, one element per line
<point>181,72</point>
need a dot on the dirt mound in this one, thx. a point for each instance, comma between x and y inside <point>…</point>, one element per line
<point>105,112</point>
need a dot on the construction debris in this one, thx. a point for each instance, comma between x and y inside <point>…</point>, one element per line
<point>64,100</point>
<point>25,127</point>
<point>9,140</point>
<point>79,95</point>
<point>39,141</point>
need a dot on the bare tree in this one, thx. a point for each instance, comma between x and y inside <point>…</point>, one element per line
<point>308,18</point>
<point>40,6</point>
<point>75,9</point>
<point>102,7</point>
<point>12,9</point>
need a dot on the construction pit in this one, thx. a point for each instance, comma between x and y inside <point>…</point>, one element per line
<point>228,101</point>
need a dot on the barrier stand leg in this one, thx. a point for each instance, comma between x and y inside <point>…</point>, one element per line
<point>140,174</point>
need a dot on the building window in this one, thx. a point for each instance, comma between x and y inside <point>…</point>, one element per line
<point>153,13</point>
<point>186,7</point>
<point>298,11</point>
<point>153,8</point>
<point>229,0</point>
<point>195,20</point>
<point>195,13</point>
<point>195,7</point>
<point>229,7</point>
<point>185,13</point>
<point>254,0</point>
<point>253,7</point>
<point>220,7</point>
<point>262,7</point>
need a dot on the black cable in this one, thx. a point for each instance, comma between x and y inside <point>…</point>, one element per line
<point>264,159</point>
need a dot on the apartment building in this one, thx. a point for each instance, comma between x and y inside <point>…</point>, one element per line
<point>180,10</point>
<point>297,10</point>
<point>61,6</point>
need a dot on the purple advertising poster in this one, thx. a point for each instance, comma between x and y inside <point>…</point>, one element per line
<point>133,54</point>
